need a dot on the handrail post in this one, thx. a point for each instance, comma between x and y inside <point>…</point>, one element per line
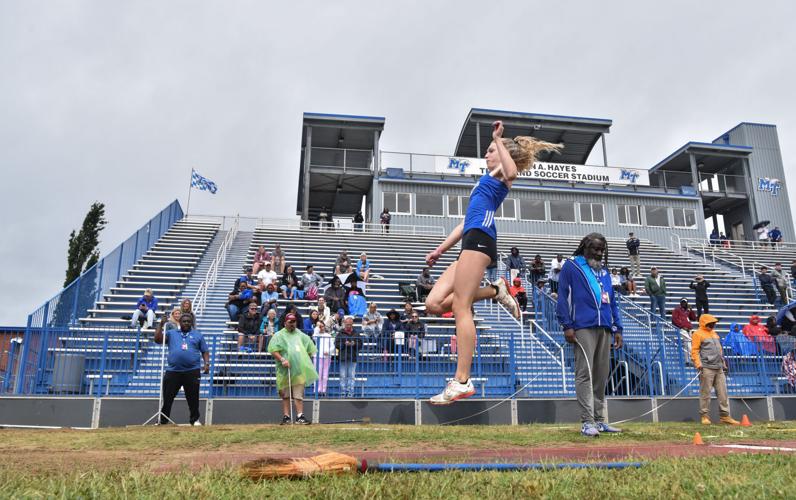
<point>102,365</point>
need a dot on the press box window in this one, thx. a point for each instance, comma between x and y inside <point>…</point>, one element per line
<point>428,204</point>
<point>457,205</point>
<point>562,211</point>
<point>507,210</point>
<point>397,203</point>
<point>657,216</point>
<point>592,212</point>
<point>684,217</point>
<point>628,214</point>
<point>532,210</point>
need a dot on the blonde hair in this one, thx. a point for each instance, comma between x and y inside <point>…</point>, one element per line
<point>524,149</point>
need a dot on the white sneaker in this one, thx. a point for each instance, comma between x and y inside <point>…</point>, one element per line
<point>197,424</point>
<point>505,299</point>
<point>454,391</point>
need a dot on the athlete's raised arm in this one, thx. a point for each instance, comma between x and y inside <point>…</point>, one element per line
<point>508,167</point>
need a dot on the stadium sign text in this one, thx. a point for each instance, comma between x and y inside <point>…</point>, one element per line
<point>565,172</point>
<point>771,186</point>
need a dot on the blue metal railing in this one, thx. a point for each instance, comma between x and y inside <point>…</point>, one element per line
<point>73,302</point>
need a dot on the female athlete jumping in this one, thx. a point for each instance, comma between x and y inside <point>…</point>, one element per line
<point>460,284</point>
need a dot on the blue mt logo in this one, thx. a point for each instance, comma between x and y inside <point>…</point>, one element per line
<point>457,164</point>
<point>771,186</point>
<point>629,175</point>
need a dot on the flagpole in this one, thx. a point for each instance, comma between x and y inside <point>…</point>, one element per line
<point>190,183</point>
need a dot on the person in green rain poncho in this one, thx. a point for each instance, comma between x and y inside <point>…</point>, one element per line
<point>293,350</point>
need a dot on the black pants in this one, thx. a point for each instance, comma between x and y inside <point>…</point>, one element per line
<point>771,294</point>
<point>522,299</point>
<point>189,381</point>
<point>702,305</point>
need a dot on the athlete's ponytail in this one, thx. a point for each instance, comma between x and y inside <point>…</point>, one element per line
<point>524,149</point>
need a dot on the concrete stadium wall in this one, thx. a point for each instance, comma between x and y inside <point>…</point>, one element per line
<point>115,412</point>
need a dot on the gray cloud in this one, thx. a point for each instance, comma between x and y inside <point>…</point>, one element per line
<point>116,101</point>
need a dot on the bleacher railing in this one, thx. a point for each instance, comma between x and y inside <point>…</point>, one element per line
<point>72,303</point>
<point>200,298</point>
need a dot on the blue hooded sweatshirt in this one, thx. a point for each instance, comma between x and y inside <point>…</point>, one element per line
<point>580,298</point>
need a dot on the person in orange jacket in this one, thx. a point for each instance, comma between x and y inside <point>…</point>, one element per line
<point>518,292</point>
<point>758,333</point>
<point>708,358</point>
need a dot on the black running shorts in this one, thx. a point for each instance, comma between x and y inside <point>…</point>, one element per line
<point>479,241</point>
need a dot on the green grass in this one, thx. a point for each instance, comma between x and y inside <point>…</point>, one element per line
<point>374,436</point>
<point>734,476</point>
<point>119,463</point>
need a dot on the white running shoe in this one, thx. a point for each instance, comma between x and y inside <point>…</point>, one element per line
<point>197,424</point>
<point>506,300</point>
<point>454,391</point>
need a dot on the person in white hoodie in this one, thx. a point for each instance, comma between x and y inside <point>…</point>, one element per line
<point>323,357</point>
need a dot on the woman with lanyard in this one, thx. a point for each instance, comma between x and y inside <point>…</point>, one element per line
<point>460,284</point>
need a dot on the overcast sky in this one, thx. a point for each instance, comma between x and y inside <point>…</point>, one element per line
<point>115,101</point>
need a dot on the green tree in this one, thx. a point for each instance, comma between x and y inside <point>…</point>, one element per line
<point>83,252</point>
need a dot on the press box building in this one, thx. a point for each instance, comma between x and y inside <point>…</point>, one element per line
<point>738,176</point>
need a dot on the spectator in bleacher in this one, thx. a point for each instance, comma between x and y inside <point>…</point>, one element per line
<point>424,284</point>
<point>725,242</point>
<point>289,284</point>
<point>186,307</point>
<point>342,259</point>
<point>655,286</point>
<point>537,269</point>
<point>186,350</point>
<point>758,333</point>
<point>384,219</point>
<point>683,315</point>
<point>781,281</point>
<point>363,267</point>
<point>323,217</point>
<point>323,312</point>
<point>249,326</point>
<point>335,295</point>
<point>767,283</point>
<point>323,358</point>
<point>555,269</point>
<point>266,276</point>
<point>293,350</point>
<point>775,236</point>
<point>145,311</point>
<point>518,292</point>
<point>714,237</point>
<point>348,343</point>
<point>786,318</point>
<point>371,322</point>
<point>588,312</point>
<point>261,256</point>
<point>415,333</point>
<point>392,324</point>
<point>515,264</point>
<point>633,254</point>
<point>789,368</point>
<point>616,281</point>
<point>291,309</point>
<point>239,299</point>
<point>310,322</point>
<point>358,220</point>
<point>311,283</point>
<point>406,315</point>
<point>762,234</point>
<point>708,358</point>
<point>336,322</point>
<point>700,287</point>
<point>247,278</point>
<point>169,321</point>
<point>628,282</point>
<point>270,324</point>
<point>771,326</point>
<point>278,259</point>
<point>270,298</point>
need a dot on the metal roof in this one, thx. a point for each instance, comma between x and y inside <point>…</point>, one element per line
<point>713,157</point>
<point>578,134</point>
<point>341,131</point>
<point>727,133</point>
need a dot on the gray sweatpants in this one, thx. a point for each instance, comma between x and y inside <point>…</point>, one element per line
<point>591,390</point>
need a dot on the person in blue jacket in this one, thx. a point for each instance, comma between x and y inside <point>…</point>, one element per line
<point>589,315</point>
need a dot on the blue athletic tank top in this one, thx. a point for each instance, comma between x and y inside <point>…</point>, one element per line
<point>485,198</point>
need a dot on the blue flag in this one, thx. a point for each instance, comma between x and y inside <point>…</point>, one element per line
<point>202,183</point>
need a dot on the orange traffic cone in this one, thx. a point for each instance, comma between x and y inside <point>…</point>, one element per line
<point>698,439</point>
<point>745,421</point>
